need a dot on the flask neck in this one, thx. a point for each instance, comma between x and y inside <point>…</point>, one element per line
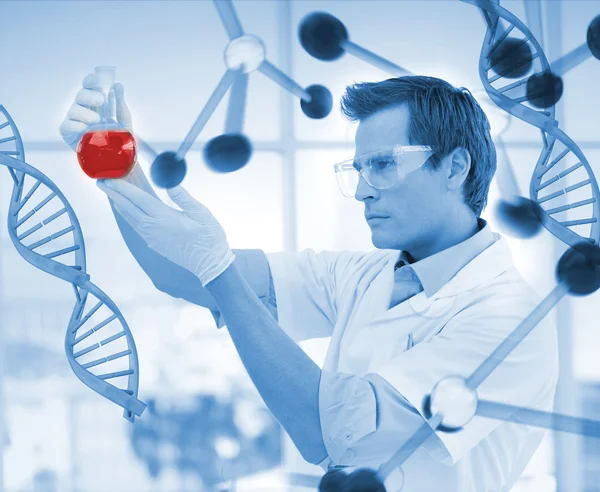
<point>107,110</point>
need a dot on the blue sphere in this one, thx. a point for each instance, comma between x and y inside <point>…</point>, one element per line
<point>512,58</point>
<point>333,481</point>
<point>593,37</point>
<point>579,269</point>
<point>227,153</point>
<point>321,35</point>
<point>520,218</point>
<point>320,103</point>
<point>364,480</point>
<point>168,170</point>
<point>544,89</point>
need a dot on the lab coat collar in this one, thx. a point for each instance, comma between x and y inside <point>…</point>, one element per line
<point>486,266</point>
<point>435,271</point>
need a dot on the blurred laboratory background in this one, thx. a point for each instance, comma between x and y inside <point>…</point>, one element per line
<point>206,427</point>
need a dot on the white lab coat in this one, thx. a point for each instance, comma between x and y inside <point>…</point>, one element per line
<point>347,294</point>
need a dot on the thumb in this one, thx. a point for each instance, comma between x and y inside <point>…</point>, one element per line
<point>186,202</point>
<point>123,113</point>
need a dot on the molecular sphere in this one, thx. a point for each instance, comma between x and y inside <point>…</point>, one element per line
<point>363,480</point>
<point>247,51</point>
<point>512,58</point>
<point>593,37</point>
<point>519,218</point>
<point>168,170</point>
<point>227,153</point>
<point>544,89</point>
<point>579,269</point>
<point>321,35</point>
<point>333,481</point>
<point>320,103</point>
<point>455,401</point>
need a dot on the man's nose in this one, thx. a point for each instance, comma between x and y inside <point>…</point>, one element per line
<point>364,190</point>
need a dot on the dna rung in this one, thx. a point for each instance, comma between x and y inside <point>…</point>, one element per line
<point>46,233</point>
<point>563,183</point>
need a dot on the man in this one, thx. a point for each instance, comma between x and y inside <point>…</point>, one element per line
<point>434,299</point>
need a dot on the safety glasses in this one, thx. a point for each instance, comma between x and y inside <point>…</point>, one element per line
<point>382,168</point>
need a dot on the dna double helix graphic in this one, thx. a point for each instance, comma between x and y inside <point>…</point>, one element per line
<point>45,231</point>
<point>559,154</point>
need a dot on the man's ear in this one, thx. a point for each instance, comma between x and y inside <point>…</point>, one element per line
<point>459,165</point>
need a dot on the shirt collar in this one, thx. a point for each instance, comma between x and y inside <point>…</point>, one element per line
<point>436,270</point>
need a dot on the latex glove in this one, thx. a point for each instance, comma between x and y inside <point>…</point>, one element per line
<point>192,238</point>
<point>85,110</point>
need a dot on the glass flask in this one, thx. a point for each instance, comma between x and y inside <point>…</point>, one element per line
<point>107,149</point>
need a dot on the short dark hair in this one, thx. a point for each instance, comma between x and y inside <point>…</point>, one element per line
<point>442,116</point>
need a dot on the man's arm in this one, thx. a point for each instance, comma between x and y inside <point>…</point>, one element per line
<point>176,281</point>
<point>286,378</point>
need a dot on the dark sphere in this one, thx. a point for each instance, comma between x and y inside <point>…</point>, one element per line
<point>333,481</point>
<point>512,58</point>
<point>593,37</point>
<point>520,218</point>
<point>364,480</point>
<point>579,269</point>
<point>168,170</point>
<point>320,103</point>
<point>544,89</point>
<point>321,35</point>
<point>227,153</point>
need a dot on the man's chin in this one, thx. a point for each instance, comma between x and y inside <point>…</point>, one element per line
<point>380,241</point>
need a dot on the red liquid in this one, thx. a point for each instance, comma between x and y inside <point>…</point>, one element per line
<point>106,153</point>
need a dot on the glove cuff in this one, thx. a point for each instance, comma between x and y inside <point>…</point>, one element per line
<point>209,276</point>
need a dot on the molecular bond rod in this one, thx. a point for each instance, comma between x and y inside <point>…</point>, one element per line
<point>283,80</point>
<point>145,147</point>
<point>237,104</point>
<point>373,58</point>
<point>533,15</point>
<point>571,60</point>
<point>409,447</point>
<point>517,336</point>
<point>538,418</point>
<point>207,111</point>
<point>229,18</point>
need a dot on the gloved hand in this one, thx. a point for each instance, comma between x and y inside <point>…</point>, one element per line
<point>191,238</point>
<point>85,110</point>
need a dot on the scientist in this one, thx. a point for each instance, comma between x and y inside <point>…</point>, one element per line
<point>434,299</point>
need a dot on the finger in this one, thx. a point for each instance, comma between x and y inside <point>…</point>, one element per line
<point>85,115</point>
<point>89,98</point>
<point>147,203</point>
<point>72,131</point>
<point>182,198</point>
<point>122,111</point>
<point>130,212</point>
<point>90,81</point>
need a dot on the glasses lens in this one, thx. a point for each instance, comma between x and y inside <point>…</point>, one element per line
<point>381,169</point>
<point>347,180</point>
<point>410,161</point>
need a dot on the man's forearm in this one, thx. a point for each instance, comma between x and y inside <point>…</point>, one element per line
<point>286,378</point>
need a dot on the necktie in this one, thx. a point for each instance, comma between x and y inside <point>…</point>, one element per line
<point>406,284</point>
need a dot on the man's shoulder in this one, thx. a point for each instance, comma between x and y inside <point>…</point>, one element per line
<point>507,290</point>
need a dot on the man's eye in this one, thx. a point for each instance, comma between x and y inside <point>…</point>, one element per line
<point>382,163</point>
<point>356,166</point>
